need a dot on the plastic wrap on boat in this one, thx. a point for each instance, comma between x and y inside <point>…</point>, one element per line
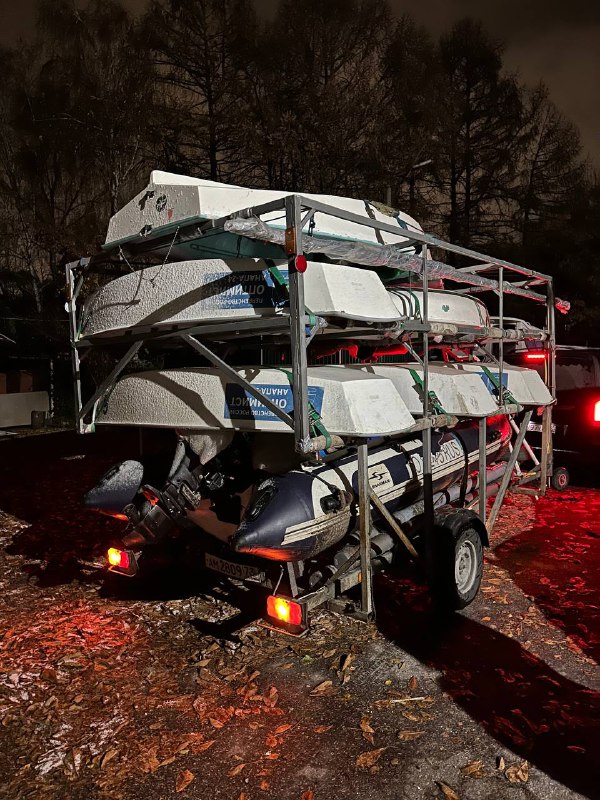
<point>378,255</point>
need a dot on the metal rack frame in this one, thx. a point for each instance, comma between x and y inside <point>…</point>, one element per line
<point>299,210</point>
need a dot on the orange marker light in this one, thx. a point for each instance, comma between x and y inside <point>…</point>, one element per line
<point>118,558</point>
<point>284,610</point>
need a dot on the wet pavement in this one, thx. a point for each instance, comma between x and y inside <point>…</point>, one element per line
<point>156,690</point>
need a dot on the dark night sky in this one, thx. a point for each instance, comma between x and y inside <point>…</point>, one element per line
<point>552,40</point>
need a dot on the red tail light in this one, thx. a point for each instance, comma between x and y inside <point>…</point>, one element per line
<point>283,610</point>
<point>535,356</point>
<point>118,558</point>
<point>596,413</point>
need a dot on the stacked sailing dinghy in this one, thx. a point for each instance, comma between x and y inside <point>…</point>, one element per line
<point>236,474</point>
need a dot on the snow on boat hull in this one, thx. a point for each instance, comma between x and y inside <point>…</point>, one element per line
<point>350,403</point>
<point>213,290</point>
<point>298,515</point>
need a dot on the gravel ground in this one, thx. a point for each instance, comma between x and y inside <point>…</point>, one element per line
<point>170,688</point>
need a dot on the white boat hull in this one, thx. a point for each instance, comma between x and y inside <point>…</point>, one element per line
<point>445,309</point>
<point>171,199</point>
<point>525,385</point>
<point>350,403</point>
<point>214,290</point>
<point>461,394</point>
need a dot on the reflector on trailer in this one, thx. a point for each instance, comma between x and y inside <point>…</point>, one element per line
<point>286,611</point>
<point>301,263</point>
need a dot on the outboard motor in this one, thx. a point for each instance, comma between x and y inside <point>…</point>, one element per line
<point>191,483</point>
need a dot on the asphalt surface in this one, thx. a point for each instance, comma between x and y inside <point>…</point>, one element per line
<point>170,689</point>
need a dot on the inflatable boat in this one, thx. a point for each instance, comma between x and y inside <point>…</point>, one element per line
<point>290,516</point>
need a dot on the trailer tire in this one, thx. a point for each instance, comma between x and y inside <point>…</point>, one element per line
<point>560,479</point>
<point>457,560</point>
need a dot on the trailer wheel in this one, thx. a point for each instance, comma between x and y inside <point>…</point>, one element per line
<point>457,561</point>
<point>560,479</point>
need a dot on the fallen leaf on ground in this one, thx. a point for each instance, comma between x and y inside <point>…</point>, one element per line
<point>236,770</point>
<point>412,683</point>
<point>202,746</point>
<point>500,763</point>
<point>448,791</point>
<point>308,795</point>
<point>370,757</point>
<point>407,736</point>
<point>346,661</point>
<point>518,773</point>
<point>323,689</point>
<point>323,728</point>
<point>183,780</point>
<point>367,730</point>
<point>282,729</point>
<point>473,770</point>
<point>107,757</point>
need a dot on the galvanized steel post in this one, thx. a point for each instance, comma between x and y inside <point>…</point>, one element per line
<point>364,509</point>
<point>293,236</point>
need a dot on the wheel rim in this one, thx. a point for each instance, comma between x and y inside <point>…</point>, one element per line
<point>562,479</point>
<point>465,567</point>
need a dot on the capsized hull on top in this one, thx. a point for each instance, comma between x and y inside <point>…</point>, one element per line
<point>170,201</point>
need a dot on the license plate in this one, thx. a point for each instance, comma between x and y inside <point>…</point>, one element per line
<point>239,571</point>
<point>537,427</point>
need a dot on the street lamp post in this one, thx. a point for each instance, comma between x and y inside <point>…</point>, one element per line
<point>412,181</point>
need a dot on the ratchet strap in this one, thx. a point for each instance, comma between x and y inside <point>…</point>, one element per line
<point>282,290</point>
<point>495,381</point>
<point>317,426</point>
<point>433,398</point>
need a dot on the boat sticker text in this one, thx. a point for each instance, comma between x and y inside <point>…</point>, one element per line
<point>240,290</point>
<point>240,404</point>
